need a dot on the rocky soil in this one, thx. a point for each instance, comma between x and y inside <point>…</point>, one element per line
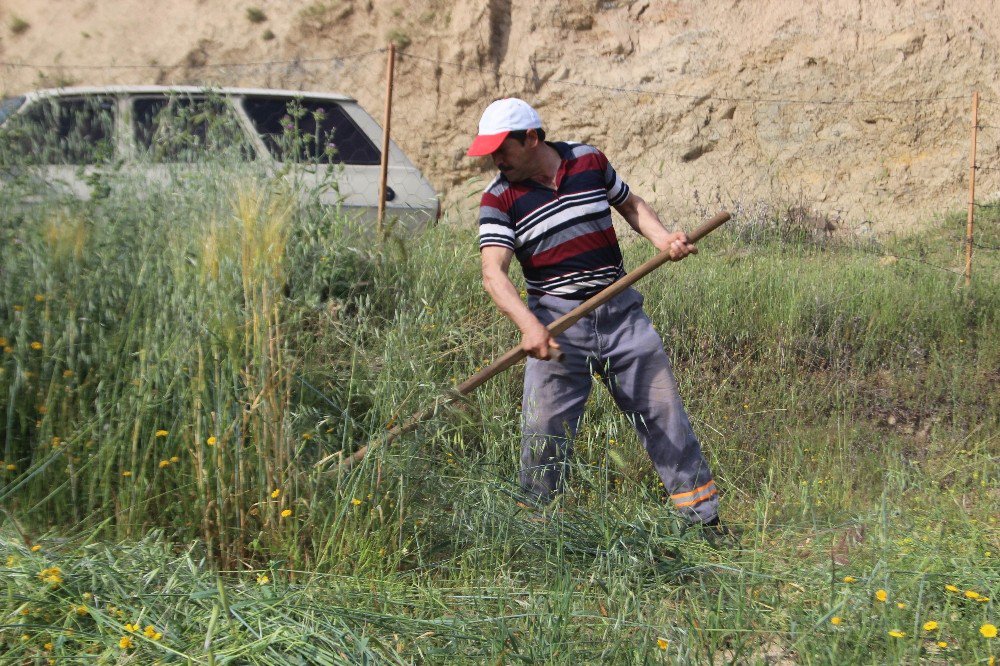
<point>856,111</point>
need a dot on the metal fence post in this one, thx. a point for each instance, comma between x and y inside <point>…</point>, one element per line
<point>972,190</point>
<point>386,122</point>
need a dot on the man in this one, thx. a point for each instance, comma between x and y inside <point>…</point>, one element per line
<point>550,206</point>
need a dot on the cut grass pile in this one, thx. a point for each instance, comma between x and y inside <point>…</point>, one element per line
<point>175,361</point>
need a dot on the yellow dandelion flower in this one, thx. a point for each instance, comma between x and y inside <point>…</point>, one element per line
<point>880,595</point>
<point>126,473</point>
<point>988,630</point>
<point>982,599</point>
<point>286,513</point>
<point>3,342</point>
<point>262,579</point>
<point>125,643</point>
<point>131,627</point>
<point>850,579</point>
<point>39,298</point>
<point>162,433</point>
<point>896,633</point>
<point>81,610</point>
<point>662,643</point>
<point>67,373</point>
<point>276,493</point>
<point>971,594</point>
<point>36,548</point>
<point>11,560</point>
<point>836,621</point>
<point>149,631</point>
<point>36,345</point>
<point>942,644</point>
<point>164,463</point>
<point>307,435</point>
<point>175,459</point>
<point>952,588</point>
<point>87,595</point>
<point>930,625</point>
<point>355,501</point>
<point>900,605</point>
<point>11,467</point>
<point>8,349</point>
<point>18,308</point>
<point>48,647</point>
<point>211,440</point>
<point>25,637</point>
<point>51,576</point>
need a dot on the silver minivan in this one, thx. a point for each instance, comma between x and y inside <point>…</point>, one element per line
<point>71,136</point>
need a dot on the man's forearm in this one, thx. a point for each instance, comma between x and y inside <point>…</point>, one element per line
<point>504,294</point>
<point>641,217</point>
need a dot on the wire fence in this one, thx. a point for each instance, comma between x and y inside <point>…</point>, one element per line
<point>688,151</point>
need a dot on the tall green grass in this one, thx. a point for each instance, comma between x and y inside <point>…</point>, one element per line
<point>176,359</point>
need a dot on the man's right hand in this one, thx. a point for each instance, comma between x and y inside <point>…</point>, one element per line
<point>535,338</point>
<point>537,342</point>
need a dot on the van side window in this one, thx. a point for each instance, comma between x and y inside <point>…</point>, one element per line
<point>305,130</point>
<point>187,129</point>
<point>64,131</point>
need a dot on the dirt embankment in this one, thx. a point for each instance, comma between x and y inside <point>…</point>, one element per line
<point>858,111</point>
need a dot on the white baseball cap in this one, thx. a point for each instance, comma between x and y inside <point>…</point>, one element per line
<point>500,119</point>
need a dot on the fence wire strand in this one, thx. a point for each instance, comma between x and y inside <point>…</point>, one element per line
<point>205,65</point>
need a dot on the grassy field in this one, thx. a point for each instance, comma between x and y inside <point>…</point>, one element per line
<point>176,361</point>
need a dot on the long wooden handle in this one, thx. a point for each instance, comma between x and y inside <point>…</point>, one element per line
<point>560,325</point>
<point>517,354</point>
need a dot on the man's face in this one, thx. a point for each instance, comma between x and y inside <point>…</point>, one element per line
<point>514,159</point>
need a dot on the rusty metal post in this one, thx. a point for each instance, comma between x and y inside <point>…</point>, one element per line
<point>386,128</point>
<point>972,190</point>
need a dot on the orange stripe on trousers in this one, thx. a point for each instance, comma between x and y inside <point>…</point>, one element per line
<point>715,491</point>
<point>692,492</point>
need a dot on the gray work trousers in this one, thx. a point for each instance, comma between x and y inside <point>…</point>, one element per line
<point>618,343</point>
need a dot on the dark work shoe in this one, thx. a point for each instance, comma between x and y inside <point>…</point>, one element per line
<point>717,534</point>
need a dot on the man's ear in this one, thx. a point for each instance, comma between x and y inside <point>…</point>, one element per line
<point>532,136</point>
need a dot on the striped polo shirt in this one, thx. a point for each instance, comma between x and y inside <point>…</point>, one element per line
<point>563,238</point>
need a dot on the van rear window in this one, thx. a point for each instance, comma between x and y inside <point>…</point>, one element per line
<point>305,130</point>
<point>64,131</point>
<point>8,106</point>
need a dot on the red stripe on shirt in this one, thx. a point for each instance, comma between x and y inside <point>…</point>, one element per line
<point>573,247</point>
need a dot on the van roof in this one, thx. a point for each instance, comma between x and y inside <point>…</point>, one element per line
<point>221,90</point>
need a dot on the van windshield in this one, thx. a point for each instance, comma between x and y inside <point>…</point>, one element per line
<point>310,130</point>
<point>172,128</point>
<point>63,131</point>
